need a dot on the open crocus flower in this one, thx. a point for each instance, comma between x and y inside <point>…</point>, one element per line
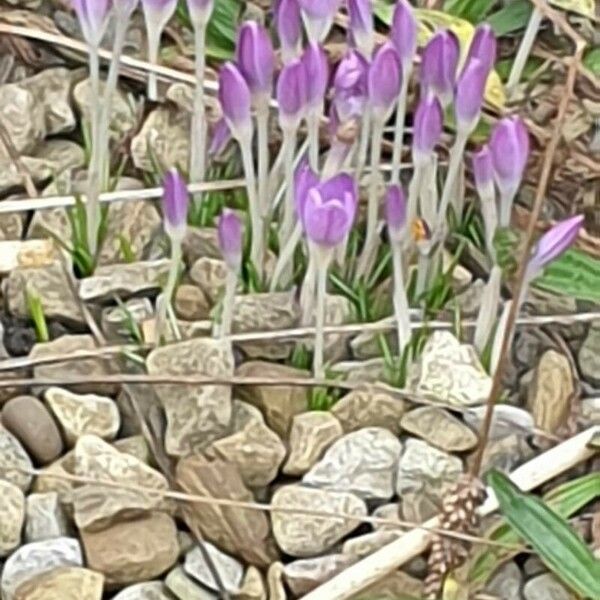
<point>439,64</point>
<point>350,85</point>
<point>92,16</point>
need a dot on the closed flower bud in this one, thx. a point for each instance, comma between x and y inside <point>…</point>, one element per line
<point>483,172</point>
<point>483,46</point>
<point>316,68</point>
<point>235,100</point>
<point>288,24</point>
<point>291,94</point>
<point>468,97</point>
<point>92,16</point>
<point>427,128</point>
<point>318,17</point>
<point>404,33</point>
<point>395,210</point>
<point>439,64</point>
<point>255,58</point>
<point>221,135</point>
<point>175,204</point>
<point>385,79</point>
<point>361,25</point>
<point>229,230</point>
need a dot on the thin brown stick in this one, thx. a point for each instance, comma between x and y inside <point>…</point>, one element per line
<point>529,240</point>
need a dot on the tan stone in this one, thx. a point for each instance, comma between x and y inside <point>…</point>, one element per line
<point>275,582</point>
<point>253,586</point>
<point>12,515</point>
<point>63,583</point>
<point>191,303</point>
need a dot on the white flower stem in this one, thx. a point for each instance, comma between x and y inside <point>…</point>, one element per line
<point>322,260</point>
<point>312,124</point>
<point>262,124</point>
<point>338,152</point>
<point>228,303</point>
<point>289,147</point>
<point>286,254</point>
<point>93,189</point>
<point>488,311</point>
<point>414,191</point>
<point>401,307</point>
<point>506,202</point>
<point>169,289</point>
<point>307,293</point>
<point>524,49</point>
<point>456,156</point>
<point>370,245</point>
<point>199,126</point>
<point>490,220</point>
<point>363,144</point>
<point>154,35</point>
<point>423,266</point>
<point>399,130</point>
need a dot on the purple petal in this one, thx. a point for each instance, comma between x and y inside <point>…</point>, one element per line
<point>395,208</point>
<point>468,97</point>
<point>229,230</point>
<point>255,57</point>
<point>316,67</point>
<point>350,85</point>
<point>234,97</point>
<point>361,24</point>
<point>325,223</point>
<point>174,202</point>
<point>221,135</point>
<point>554,242</point>
<point>385,78</point>
<point>291,93</point>
<point>320,9</point>
<point>304,180</point>
<point>439,64</point>
<point>92,15</point>
<point>341,188</point>
<point>404,32</point>
<point>288,23</point>
<point>483,169</point>
<point>483,46</point>
<point>427,126</point>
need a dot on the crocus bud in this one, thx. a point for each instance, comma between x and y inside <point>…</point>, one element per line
<point>221,135</point>
<point>200,11</point>
<point>350,85</point>
<point>235,100</point>
<point>483,46</point>
<point>229,230</point>
<point>439,64</point>
<point>318,17</point>
<point>329,210</point>
<point>404,33</point>
<point>395,211</point>
<point>175,204</point>
<point>553,243</point>
<point>93,16</point>
<point>157,14</point>
<point>361,25</point>
<point>255,58</point>
<point>509,146</point>
<point>427,128</point>
<point>291,95</point>
<point>304,179</point>
<point>468,97</point>
<point>385,78</point>
<point>316,67</point>
<point>483,172</point>
<point>288,24</point>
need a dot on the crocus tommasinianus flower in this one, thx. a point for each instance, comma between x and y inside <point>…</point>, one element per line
<point>304,179</point>
<point>235,100</point>
<point>318,17</point>
<point>291,94</point>
<point>509,146</point>
<point>92,15</point>
<point>395,211</point>
<point>483,46</point>
<point>255,58</point>
<point>439,64</point>
<point>404,33</point>
<point>468,96</point>
<point>329,210</point>
<point>220,137</point>
<point>229,230</point>
<point>175,204</point>
<point>483,172</point>
<point>288,24</point>
<point>315,64</point>
<point>427,128</point>
<point>553,243</point>
<point>385,78</point>
<point>362,29</point>
<point>350,85</point>
<point>200,10</point>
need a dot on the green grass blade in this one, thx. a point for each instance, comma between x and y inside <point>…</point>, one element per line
<point>514,16</point>
<point>470,10</point>
<point>550,535</point>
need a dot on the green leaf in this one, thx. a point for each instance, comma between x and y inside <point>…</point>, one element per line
<point>512,17</point>
<point>558,546</point>
<point>592,61</point>
<point>575,274</point>
<point>474,11</point>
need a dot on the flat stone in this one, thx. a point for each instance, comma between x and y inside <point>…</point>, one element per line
<point>26,254</point>
<point>505,454</point>
<point>149,590</point>
<point>252,587</point>
<point>275,585</point>
<point>506,583</point>
<point>134,550</point>
<point>95,506</point>
<point>12,225</point>
<point>363,462</point>
<point>63,583</point>
<point>200,242</point>
<point>209,274</point>
<point>311,435</point>
<point>551,392</point>
<point>439,428</point>
<point>136,446</point>
<point>278,404</point>
<point>52,285</point>
<point>369,408</point>
<point>423,468</point>
<point>12,457</point>
<point>191,303</point>
<point>452,372</point>
<point>365,371</point>
<point>590,411</point>
<point>117,320</point>
<point>418,507</point>
<point>45,482</point>
<point>389,512</point>
<point>506,420</point>
<point>31,423</point>
<point>303,576</point>
<point>396,585</point>
<point>37,558</point>
<point>589,355</point>
<point>230,570</point>
<point>79,414</point>
<point>303,535</point>
<point>46,518</point>
<point>12,515</point>
<point>184,587</point>
<point>364,545</point>
<point>196,415</point>
<point>546,587</point>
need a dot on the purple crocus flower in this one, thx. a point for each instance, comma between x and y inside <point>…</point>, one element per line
<point>291,94</point>
<point>221,135</point>
<point>483,46</point>
<point>350,85</point>
<point>200,10</point>
<point>439,64</point>
<point>288,24</point>
<point>255,58</point>
<point>553,243</point>
<point>483,172</point>
<point>235,100</point>
<point>362,28</point>
<point>158,12</point>
<point>175,204</point>
<point>468,96</point>
<point>385,79</point>
<point>318,17</point>
<point>329,210</point>
<point>92,15</point>
<point>304,179</point>
<point>229,231</point>
<point>395,210</point>
<point>427,128</point>
<point>316,67</point>
<point>404,33</point>
<point>509,146</point>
